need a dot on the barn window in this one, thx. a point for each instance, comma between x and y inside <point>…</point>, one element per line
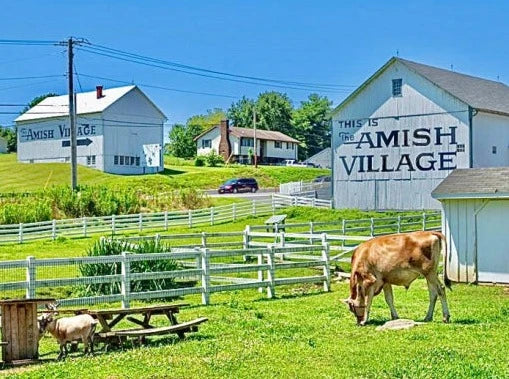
<point>137,161</point>
<point>460,148</point>
<point>122,160</point>
<point>88,160</point>
<point>397,85</point>
<point>206,143</point>
<point>115,159</point>
<point>494,149</point>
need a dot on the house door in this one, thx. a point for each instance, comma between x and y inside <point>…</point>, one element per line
<point>493,242</point>
<point>262,149</point>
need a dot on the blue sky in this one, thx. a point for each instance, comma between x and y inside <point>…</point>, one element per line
<point>334,42</point>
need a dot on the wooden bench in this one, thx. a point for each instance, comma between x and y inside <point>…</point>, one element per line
<point>183,327</point>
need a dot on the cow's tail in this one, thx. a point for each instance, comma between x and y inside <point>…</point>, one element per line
<point>443,252</point>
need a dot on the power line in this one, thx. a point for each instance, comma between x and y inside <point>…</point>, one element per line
<point>32,77</point>
<point>159,87</point>
<point>155,60</point>
<point>27,84</point>
<point>147,63</point>
<point>27,42</point>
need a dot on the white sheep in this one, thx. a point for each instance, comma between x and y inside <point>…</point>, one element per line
<point>68,329</point>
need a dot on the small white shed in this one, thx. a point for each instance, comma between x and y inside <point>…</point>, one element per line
<point>475,221</point>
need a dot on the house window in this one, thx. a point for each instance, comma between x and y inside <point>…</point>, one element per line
<point>206,143</point>
<point>247,142</point>
<point>493,149</point>
<point>278,144</point>
<point>460,148</point>
<point>137,161</point>
<point>397,84</point>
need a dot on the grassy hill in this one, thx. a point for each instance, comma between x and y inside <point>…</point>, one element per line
<point>22,177</point>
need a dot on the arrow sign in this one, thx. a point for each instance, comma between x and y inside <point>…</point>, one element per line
<point>80,142</point>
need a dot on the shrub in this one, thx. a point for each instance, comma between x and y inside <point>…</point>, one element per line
<point>199,161</point>
<point>213,159</point>
<point>105,247</point>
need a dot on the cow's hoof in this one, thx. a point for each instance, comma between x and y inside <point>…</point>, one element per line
<point>428,319</point>
<point>446,319</point>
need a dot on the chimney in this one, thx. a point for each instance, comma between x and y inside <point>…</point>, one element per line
<point>99,91</point>
<point>224,142</point>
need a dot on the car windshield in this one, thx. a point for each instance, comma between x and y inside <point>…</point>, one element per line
<point>230,182</point>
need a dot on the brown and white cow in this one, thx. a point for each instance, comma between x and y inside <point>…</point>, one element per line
<point>396,259</point>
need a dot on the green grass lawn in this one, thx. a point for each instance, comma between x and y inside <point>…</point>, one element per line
<point>305,333</point>
<point>22,177</point>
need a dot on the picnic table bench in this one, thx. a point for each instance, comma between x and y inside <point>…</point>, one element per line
<point>109,318</point>
<point>275,223</point>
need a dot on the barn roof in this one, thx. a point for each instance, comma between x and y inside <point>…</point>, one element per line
<point>467,183</point>
<point>482,94</point>
<point>86,103</point>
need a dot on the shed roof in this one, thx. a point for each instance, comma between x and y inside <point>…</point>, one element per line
<point>482,94</point>
<point>466,183</point>
<point>86,103</point>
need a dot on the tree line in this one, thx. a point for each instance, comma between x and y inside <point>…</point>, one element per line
<point>309,122</point>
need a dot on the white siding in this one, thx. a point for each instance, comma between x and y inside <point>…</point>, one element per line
<point>402,189</point>
<point>213,135</point>
<point>490,130</point>
<point>474,242</point>
<point>283,152</point>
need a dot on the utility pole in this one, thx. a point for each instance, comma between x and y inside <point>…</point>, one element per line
<point>72,119</point>
<point>254,138</point>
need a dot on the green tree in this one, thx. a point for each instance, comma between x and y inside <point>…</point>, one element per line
<point>274,112</point>
<point>241,113</point>
<point>312,125</point>
<point>37,100</point>
<point>212,118</point>
<point>10,136</point>
<point>182,142</point>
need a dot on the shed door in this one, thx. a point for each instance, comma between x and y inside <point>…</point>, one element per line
<point>493,242</point>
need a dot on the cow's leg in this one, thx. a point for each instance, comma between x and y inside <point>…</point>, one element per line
<point>85,345</point>
<point>369,298</point>
<point>389,299</point>
<point>436,289</point>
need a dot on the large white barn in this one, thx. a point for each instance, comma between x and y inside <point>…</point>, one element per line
<point>397,136</point>
<point>119,130</point>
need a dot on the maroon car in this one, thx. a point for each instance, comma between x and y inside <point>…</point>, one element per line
<point>239,185</point>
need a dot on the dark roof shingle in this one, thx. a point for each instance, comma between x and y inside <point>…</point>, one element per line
<point>479,93</point>
<point>474,182</point>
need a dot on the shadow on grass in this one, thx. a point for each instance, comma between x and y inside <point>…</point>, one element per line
<point>170,172</point>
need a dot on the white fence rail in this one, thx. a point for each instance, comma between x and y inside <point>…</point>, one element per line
<point>293,188</point>
<point>300,201</point>
<point>82,227</point>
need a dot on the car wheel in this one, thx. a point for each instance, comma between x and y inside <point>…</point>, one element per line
<point>235,190</point>
<point>253,189</point>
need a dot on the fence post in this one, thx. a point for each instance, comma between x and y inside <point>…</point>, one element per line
<point>190,218</point>
<point>311,231</point>
<point>54,229</point>
<point>245,241</point>
<point>234,212</point>
<point>399,224</point>
<point>313,202</point>
<point>271,272</point>
<point>157,239</point>
<point>282,239</point>
<point>343,231</point>
<point>140,222</point>
<point>372,227</point>
<point>30,278</point>
<point>326,265</point>
<point>423,220</point>
<point>84,226</point>
<point>273,201</point>
<point>125,289</point>
<point>113,224</point>
<point>254,207</point>
<point>205,277</point>
<point>260,271</point>
<point>166,220</point>
<point>203,239</point>
<point>20,233</point>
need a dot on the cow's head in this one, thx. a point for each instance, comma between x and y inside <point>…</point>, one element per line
<point>357,302</point>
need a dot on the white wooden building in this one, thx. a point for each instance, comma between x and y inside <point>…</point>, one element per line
<point>119,130</point>
<point>475,221</point>
<point>3,145</point>
<point>398,135</point>
<point>234,144</point>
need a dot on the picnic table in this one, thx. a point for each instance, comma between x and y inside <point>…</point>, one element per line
<point>141,317</point>
<point>275,223</point>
